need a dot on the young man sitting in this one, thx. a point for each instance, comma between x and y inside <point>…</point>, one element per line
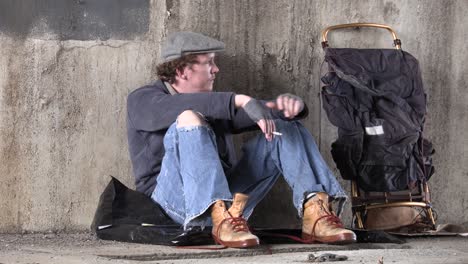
<point>180,138</point>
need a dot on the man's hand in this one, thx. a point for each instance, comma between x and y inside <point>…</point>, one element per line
<point>290,104</point>
<point>260,114</point>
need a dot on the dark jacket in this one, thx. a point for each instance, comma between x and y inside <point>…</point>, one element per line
<point>376,99</point>
<point>152,110</point>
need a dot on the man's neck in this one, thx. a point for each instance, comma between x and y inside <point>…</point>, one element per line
<point>180,86</point>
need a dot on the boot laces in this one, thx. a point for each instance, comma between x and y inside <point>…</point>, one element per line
<point>239,224</point>
<point>329,217</point>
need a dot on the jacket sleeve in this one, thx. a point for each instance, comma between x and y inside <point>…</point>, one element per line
<point>150,109</point>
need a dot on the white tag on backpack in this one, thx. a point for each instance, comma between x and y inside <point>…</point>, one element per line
<point>374,130</point>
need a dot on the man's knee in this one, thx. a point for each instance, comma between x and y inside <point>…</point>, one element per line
<point>190,118</point>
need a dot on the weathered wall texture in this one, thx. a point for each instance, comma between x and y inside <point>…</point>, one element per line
<point>65,71</point>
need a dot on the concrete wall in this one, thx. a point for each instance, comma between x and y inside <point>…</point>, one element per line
<point>66,68</point>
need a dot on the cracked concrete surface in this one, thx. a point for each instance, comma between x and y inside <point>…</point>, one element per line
<point>84,248</point>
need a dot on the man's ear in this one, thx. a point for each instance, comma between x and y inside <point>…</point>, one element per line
<point>181,74</point>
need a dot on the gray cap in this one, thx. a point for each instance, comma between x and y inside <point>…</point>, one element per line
<point>182,43</point>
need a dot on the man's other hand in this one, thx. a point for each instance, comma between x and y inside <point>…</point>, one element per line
<point>290,104</point>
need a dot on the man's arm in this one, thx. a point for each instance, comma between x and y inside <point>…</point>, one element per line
<point>286,107</point>
<point>150,109</point>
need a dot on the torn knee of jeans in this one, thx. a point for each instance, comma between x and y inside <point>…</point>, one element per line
<point>190,118</point>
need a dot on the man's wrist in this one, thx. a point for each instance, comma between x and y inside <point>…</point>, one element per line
<point>241,100</point>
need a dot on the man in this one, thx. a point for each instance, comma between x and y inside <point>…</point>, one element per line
<point>180,141</point>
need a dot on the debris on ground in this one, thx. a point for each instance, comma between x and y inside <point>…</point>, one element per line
<point>327,257</point>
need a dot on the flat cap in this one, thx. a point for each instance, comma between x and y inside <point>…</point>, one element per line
<point>182,43</point>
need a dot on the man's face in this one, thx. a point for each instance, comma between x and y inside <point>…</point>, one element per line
<point>200,76</point>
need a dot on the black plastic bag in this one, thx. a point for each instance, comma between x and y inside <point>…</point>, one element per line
<point>130,216</point>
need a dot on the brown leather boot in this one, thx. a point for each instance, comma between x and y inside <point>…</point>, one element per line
<point>230,229</point>
<point>322,225</point>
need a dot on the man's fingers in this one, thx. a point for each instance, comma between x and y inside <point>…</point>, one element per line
<point>261,123</point>
<point>273,127</point>
<point>287,106</point>
<point>291,107</point>
<point>291,103</point>
<point>287,109</point>
<point>280,102</point>
<point>268,131</point>
<point>268,127</point>
<point>271,104</point>
<point>284,102</point>
<point>297,107</point>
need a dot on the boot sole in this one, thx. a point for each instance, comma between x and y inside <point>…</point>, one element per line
<point>340,239</point>
<point>237,244</point>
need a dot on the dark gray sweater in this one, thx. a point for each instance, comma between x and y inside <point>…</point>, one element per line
<point>152,109</point>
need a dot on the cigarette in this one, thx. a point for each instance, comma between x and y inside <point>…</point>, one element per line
<point>277,133</point>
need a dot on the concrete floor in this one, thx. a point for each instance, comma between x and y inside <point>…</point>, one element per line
<point>85,248</point>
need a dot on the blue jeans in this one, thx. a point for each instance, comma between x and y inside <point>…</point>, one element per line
<point>192,178</point>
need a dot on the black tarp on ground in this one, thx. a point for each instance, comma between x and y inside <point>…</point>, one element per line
<point>376,99</point>
<point>130,216</point>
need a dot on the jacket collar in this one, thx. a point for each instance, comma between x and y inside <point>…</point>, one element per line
<point>169,87</point>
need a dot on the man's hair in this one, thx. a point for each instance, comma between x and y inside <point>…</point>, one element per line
<point>167,71</point>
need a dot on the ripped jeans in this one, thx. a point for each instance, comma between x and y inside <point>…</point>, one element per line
<point>192,177</point>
